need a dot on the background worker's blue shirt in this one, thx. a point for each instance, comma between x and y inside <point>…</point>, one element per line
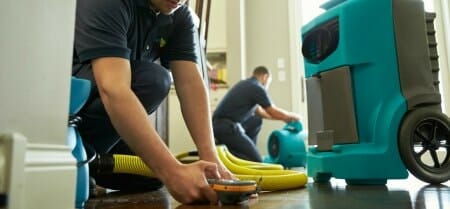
<point>241,101</point>
<point>131,30</point>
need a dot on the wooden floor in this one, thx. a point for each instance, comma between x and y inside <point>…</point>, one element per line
<point>396,194</point>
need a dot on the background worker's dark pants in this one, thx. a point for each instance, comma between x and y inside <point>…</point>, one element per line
<point>240,138</point>
<point>151,84</point>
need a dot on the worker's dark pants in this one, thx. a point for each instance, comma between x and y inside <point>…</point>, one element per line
<point>240,138</point>
<point>151,84</point>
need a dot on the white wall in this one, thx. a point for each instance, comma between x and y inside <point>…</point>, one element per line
<point>273,40</point>
<point>36,43</point>
<point>255,37</point>
<point>442,24</point>
<point>236,41</point>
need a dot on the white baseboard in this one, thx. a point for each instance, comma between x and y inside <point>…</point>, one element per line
<point>41,175</point>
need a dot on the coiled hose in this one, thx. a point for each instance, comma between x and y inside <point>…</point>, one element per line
<point>270,177</point>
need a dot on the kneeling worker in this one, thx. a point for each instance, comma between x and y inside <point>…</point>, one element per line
<point>238,117</point>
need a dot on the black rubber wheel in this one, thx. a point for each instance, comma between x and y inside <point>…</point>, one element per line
<point>425,132</point>
<point>322,177</point>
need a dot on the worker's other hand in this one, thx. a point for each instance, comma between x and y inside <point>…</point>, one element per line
<point>188,183</point>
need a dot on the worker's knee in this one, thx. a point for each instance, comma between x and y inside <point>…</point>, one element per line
<point>151,83</point>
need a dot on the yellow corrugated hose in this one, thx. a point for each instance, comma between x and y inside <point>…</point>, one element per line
<point>131,164</point>
<point>268,180</point>
<point>249,164</point>
<point>270,177</point>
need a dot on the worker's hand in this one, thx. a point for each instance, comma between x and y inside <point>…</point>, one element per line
<point>223,171</point>
<point>188,184</point>
<point>292,117</point>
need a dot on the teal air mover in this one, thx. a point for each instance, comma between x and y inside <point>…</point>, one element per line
<point>287,146</point>
<point>374,106</point>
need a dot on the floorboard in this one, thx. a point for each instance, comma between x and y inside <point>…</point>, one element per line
<point>396,194</point>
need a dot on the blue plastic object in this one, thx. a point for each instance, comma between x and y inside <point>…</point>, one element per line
<point>287,146</point>
<point>365,43</point>
<point>79,94</point>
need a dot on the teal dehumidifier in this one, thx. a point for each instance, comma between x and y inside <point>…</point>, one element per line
<point>374,104</point>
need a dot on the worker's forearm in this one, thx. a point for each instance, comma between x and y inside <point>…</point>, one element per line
<point>194,102</point>
<point>131,121</point>
<point>262,113</point>
<point>280,114</point>
<point>196,111</point>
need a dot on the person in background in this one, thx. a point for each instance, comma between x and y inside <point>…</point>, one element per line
<point>126,48</point>
<point>237,119</point>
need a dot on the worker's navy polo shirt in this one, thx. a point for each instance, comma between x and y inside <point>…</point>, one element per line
<point>241,101</point>
<point>131,30</point>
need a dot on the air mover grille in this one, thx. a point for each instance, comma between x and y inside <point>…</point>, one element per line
<point>274,146</point>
